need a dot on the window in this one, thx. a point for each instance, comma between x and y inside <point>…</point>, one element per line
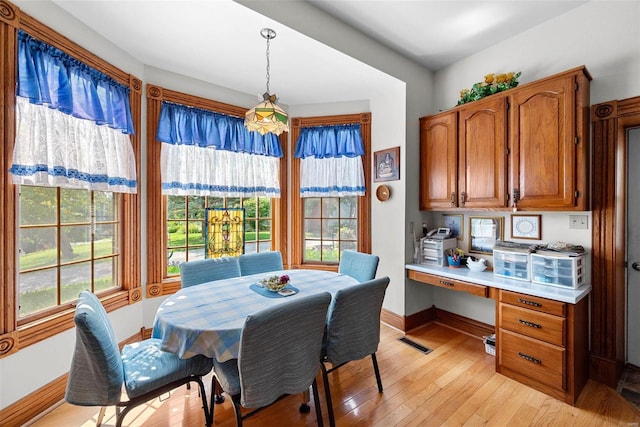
<point>172,214</point>
<point>69,240</point>
<point>325,226</point>
<point>185,226</point>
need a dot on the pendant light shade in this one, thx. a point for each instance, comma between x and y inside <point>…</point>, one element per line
<point>267,116</point>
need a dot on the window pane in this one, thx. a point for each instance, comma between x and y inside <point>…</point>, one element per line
<point>216,202</point>
<point>348,207</point>
<point>265,229</point>
<point>105,240</point>
<point>348,229</point>
<point>176,207</point>
<point>176,232</point>
<point>330,229</point>
<point>351,246</point>
<point>175,257</point>
<point>75,243</point>
<point>312,228</point>
<point>233,202</point>
<point>196,253</point>
<point>312,250</point>
<point>38,290</point>
<point>264,210</point>
<point>38,247</point>
<point>330,207</point>
<point>196,234</point>
<point>196,207</point>
<point>264,246</point>
<point>38,205</point>
<point>250,208</point>
<point>105,274</point>
<point>75,206</point>
<point>311,207</point>
<point>250,248</point>
<point>73,280</point>
<point>105,206</point>
<point>330,251</point>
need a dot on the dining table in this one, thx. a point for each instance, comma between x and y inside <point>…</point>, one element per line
<point>208,318</point>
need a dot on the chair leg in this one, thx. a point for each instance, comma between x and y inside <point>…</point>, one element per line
<point>100,416</point>
<point>377,371</point>
<point>208,416</point>
<point>327,394</point>
<point>236,408</point>
<point>316,402</point>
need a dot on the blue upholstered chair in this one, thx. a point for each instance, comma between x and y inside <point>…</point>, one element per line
<point>358,265</point>
<point>99,369</point>
<point>353,330</point>
<point>208,270</point>
<point>280,349</point>
<point>260,262</point>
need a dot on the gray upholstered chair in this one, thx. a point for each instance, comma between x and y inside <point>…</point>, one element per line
<point>358,265</point>
<point>208,270</point>
<point>280,349</point>
<point>260,262</point>
<point>99,369</point>
<point>353,330</point>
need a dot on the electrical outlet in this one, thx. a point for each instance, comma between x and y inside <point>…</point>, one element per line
<point>579,221</point>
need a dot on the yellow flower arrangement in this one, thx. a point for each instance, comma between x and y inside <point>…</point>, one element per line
<point>492,84</point>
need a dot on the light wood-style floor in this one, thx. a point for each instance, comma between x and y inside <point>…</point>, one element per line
<point>454,385</point>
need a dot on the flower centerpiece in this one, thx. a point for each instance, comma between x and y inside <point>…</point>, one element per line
<point>276,283</point>
<point>492,84</point>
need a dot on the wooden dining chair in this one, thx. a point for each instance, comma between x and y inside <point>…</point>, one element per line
<point>99,370</point>
<point>208,270</point>
<point>279,354</point>
<point>353,330</point>
<point>358,265</point>
<point>260,262</point>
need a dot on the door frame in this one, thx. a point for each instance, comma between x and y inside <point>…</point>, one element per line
<point>610,122</point>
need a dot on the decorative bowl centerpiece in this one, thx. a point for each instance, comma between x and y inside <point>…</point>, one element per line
<point>275,283</point>
<point>478,264</point>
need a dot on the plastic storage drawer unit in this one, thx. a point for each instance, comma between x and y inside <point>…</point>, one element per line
<point>558,270</point>
<point>514,265</point>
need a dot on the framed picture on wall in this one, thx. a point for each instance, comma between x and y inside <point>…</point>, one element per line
<point>526,227</point>
<point>455,223</point>
<point>386,164</point>
<point>483,233</point>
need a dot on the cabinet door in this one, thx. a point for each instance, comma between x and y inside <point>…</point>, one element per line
<point>482,154</point>
<point>438,155</point>
<point>543,144</point>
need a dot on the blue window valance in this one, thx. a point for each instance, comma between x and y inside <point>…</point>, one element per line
<point>182,125</point>
<point>330,141</point>
<point>48,76</point>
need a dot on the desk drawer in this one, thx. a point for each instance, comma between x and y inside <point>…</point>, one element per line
<point>445,282</point>
<point>534,303</point>
<point>534,324</point>
<point>542,362</point>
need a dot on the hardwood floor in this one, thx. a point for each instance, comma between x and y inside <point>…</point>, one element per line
<point>456,384</point>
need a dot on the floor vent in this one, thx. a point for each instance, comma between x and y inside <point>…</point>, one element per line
<point>415,345</point>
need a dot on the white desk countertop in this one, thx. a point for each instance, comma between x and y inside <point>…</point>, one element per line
<point>487,278</point>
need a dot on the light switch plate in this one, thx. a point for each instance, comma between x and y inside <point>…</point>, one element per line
<point>579,221</point>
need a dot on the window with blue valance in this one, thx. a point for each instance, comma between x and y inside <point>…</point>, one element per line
<point>331,161</point>
<point>211,154</point>
<point>72,123</point>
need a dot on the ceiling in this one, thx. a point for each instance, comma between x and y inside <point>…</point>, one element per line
<point>219,41</point>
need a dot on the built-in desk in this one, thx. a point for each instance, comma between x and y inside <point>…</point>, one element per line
<point>541,331</point>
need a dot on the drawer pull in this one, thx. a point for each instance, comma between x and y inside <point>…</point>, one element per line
<point>446,283</point>
<point>530,324</point>
<point>529,358</point>
<point>532,303</point>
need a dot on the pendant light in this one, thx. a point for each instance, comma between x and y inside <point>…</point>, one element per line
<point>267,116</point>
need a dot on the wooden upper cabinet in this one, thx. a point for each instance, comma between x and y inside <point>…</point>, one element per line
<point>438,161</point>
<point>482,154</point>
<point>549,143</point>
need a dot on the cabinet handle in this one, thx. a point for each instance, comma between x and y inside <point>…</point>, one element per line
<point>463,198</point>
<point>453,198</point>
<point>444,282</point>
<point>529,358</point>
<point>530,324</point>
<point>532,303</point>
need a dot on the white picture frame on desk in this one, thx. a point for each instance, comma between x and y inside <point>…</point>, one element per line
<point>526,227</point>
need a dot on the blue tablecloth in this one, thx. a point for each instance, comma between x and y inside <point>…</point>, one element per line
<point>208,318</point>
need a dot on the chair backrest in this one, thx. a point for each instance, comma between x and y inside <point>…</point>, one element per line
<point>260,262</point>
<point>96,374</point>
<point>358,265</point>
<point>208,270</point>
<point>353,325</point>
<point>280,349</point>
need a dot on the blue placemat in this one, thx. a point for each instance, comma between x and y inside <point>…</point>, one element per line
<point>267,293</point>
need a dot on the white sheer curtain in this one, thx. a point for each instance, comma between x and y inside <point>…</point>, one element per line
<point>331,177</point>
<point>195,170</point>
<point>56,149</point>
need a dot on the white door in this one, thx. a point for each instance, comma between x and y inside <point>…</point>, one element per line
<point>633,247</point>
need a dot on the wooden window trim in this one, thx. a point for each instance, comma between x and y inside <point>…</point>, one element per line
<point>157,282</point>
<point>364,205</point>
<point>12,337</point>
